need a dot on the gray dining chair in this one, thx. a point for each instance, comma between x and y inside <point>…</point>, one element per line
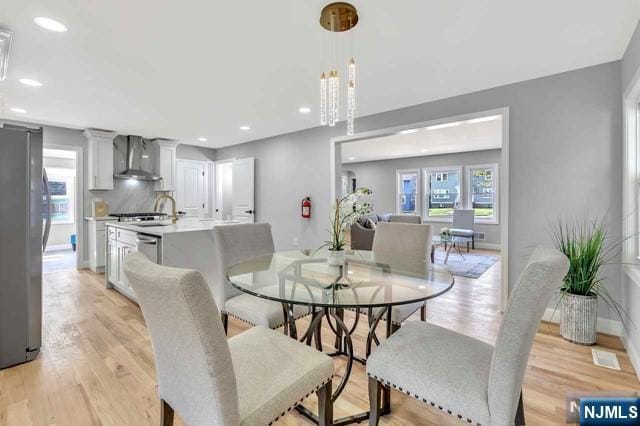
<point>465,377</point>
<point>250,379</point>
<point>239,243</point>
<point>392,242</point>
<point>464,226</point>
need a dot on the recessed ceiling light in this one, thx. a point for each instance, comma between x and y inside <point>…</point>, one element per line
<point>304,110</point>
<point>18,110</point>
<point>202,139</point>
<point>50,24</point>
<point>351,158</point>
<point>483,119</point>
<point>408,131</point>
<point>444,125</point>
<point>245,128</point>
<point>30,82</point>
<point>424,150</point>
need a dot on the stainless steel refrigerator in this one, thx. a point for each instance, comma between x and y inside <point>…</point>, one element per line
<point>21,244</point>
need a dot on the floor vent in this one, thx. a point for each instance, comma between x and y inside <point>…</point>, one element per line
<point>480,236</point>
<point>605,359</point>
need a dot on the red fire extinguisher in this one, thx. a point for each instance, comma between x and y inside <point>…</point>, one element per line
<point>306,207</point>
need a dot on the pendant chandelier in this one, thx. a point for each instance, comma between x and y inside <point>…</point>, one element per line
<point>337,18</point>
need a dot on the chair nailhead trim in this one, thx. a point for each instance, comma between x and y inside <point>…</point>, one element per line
<point>254,325</point>
<point>416,396</point>
<point>301,399</point>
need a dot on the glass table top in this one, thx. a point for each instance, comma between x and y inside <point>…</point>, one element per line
<point>366,279</point>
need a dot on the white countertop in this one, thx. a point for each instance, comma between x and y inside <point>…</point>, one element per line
<point>100,218</point>
<point>183,225</point>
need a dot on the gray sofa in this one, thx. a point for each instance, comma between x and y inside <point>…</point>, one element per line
<point>363,230</point>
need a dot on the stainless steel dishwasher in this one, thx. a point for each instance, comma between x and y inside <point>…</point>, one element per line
<point>151,246</point>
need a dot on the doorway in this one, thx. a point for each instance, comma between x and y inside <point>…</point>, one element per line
<point>224,190</point>
<point>434,189</point>
<point>60,206</point>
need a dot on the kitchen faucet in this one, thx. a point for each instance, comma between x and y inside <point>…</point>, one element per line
<point>174,214</point>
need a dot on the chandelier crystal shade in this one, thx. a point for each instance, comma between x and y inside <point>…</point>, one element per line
<point>338,18</point>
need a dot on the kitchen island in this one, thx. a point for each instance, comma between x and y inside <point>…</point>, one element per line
<point>186,244</point>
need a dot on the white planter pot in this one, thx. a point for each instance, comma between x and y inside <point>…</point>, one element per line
<point>578,318</point>
<point>337,257</point>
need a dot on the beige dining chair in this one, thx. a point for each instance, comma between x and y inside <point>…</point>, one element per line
<point>467,378</point>
<point>250,379</point>
<point>395,242</point>
<point>239,243</point>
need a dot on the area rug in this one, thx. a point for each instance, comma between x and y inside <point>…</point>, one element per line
<point>472,266</point>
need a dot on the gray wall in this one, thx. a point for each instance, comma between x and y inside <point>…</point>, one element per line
<point>380,177</point>
<point>198,153</point>
<point>565,159</point>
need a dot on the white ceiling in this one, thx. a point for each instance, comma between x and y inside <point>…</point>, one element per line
<point>459,136</point>
<point>204,68</point>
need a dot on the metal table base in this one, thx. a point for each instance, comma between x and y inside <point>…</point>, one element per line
<point>343,347</point>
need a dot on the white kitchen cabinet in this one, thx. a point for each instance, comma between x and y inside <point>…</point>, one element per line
<point>120,242</point>
<point>97,242</point>
<point>165,164</point>
<point>112,260</point>
<point>123,250</point>
<point>99,159</point>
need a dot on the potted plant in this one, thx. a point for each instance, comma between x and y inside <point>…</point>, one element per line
<point>344,212</point>
<point>585,244</point>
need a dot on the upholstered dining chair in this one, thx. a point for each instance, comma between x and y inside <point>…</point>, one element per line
<point>465,377</point>
<point>464,226</point>
<point>235,244</point>
<point>398,240</point>
<point>250,379</point>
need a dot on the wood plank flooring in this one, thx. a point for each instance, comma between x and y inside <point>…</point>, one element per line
<point>96,366</point>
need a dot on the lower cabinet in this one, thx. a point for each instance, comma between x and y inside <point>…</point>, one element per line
<point>116,251</point>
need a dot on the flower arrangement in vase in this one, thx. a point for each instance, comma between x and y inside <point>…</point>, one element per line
<point>344,212</point>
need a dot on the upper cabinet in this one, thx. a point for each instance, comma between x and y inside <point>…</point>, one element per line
<point>165,164</point>
<point>99,159</point>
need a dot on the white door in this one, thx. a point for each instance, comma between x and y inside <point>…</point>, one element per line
<point>243,190</point>
<point>223,189</point>
<point>192,191</point>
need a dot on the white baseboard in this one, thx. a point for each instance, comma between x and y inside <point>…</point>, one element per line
<point>488,246</point>
<point>604,325</point>
<point>59,247</point>
<point>83,265</point>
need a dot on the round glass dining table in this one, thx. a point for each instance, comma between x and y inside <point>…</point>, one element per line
<point>366,283</point>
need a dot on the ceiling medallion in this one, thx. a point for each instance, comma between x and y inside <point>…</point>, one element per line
<point>337,18</point>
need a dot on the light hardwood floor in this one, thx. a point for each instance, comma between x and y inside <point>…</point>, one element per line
<point>96,365</point>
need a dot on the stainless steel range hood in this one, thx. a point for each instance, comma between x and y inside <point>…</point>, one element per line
<point>135,148</point>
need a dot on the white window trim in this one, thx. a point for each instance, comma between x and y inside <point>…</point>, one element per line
<point>418,189</point>
<point>426,172</point>
<point>496,191</point>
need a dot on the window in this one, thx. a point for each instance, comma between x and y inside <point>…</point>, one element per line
<point>408,188</point>
<point>442,192</point>
<point>62,191</point>
<point>483,190</point>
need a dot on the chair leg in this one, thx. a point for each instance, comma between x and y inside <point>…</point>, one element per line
<point>467,246</point>
<point>375,389</point>
<point>225,321</point>
<point>166,414</point>
<point>519,421</point>
<point>325,406</point>
<point>423,313</point>
<point>473,241</point>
